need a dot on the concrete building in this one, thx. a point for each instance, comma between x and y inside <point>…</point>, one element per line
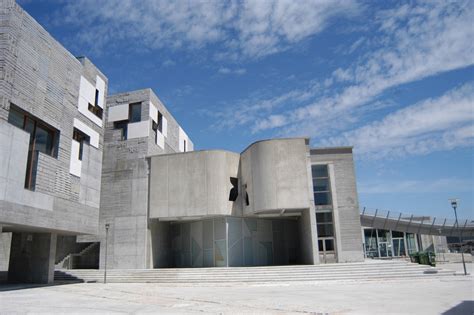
<point>277,202</point>
<point>51,144</point>
<point>90,181</point>
<point>138,126</point>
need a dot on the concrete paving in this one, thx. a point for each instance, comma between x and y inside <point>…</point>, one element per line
<point>447,295</point>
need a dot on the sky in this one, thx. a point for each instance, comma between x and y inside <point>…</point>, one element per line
<point>393,79</point>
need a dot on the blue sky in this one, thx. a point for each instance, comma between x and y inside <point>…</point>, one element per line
<point>393,79</point>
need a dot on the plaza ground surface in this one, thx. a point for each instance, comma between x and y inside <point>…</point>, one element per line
<point>448,295</point>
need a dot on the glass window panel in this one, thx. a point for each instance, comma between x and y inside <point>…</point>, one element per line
<point>329,244</point>
<point>135,112</point>
<point>321,199</point>
<point>324,217</point>
<point>325,230</point>
<point>43,140</point>
<point>321,184</point>
<point>319,170</point>
<point>123,126</point>
<point>397,234</point>
<point>16,118</point>
<point>383,235</point>
<point>320,245</point>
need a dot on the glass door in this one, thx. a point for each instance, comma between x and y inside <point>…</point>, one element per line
<point>385,243</point>
<point>398,241</point>
<point>327,253</point>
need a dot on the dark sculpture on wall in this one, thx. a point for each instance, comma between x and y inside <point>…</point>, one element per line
<point>234,192</point>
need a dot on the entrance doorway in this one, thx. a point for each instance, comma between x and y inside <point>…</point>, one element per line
<point>327,252</point>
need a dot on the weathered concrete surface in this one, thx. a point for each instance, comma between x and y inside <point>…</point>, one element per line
<point>345,201</point>
<point>194,184</point>
<point>124,197</point>
<point>275,174</point>
<point>336,297</point>
<point>43,78</point>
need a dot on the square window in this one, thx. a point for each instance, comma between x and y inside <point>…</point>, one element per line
<point>325,230</point>
<point>321,184</point>
<point>319,170</point>
<point>329,244</point>
<point>323,217</point>
<point>322,199</point>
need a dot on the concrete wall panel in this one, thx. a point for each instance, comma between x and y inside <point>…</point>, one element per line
<point>194,184</point>
<point>275,172</point>
<point>118,113</point>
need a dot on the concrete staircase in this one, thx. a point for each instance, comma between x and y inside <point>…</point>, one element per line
<point>354,271</point>
<point>65,263</point>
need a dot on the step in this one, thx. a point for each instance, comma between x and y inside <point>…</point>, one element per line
<point>268,274</point>
<point>253,278</point>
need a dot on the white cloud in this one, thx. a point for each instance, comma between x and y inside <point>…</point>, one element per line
<point>243,28</point>
<point>436,124</point>
<point>412,43</point>
<point>416,42</point>
<point>237,71</point>
<point>441,185</point>
<point>168,63</point>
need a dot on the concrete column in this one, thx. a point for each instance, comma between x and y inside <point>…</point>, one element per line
<point>308,237</point>
<point>32,257</point>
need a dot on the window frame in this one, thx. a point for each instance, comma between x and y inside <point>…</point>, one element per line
<point>327,192</point>
<point>131,118</point>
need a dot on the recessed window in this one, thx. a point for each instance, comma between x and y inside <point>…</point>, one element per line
<point>123,127</point>
<point>184,145</point>
<point>321,185</point>
<point>82,138</point>
<point>43,138</point>
<point>96,97</point>
<point>96,110</point>
<point>160,122</point>
<point>135,112</point>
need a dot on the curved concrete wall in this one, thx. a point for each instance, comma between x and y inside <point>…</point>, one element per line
<point>275,175</point>
<point>194,184</point>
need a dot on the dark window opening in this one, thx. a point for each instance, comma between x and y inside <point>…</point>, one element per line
<point>329,244</point>
<point>234,192</point>
<point>160,122</point>
<point>96,110</point>
<point>123,127</point>
<point>43,138</point>
<point>325,230</point>
<point>184,145</point>
<point>96,97</point>
<point>82,138</point>
<point>135,112</point>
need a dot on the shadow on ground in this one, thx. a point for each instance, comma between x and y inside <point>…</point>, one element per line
<point>6,286</point>
<point>465,307</point>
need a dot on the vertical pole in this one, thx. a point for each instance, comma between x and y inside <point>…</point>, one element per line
<point>462,251</point>
<point>106,246</point>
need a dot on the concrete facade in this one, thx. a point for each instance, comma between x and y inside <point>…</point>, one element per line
<point>272,180</point>
<point>164,205</point>
<point>42,83</point>
<point>125,175</point>
<point>345,205</point>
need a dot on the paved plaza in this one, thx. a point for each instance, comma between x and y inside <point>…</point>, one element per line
<point>447,295</point>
